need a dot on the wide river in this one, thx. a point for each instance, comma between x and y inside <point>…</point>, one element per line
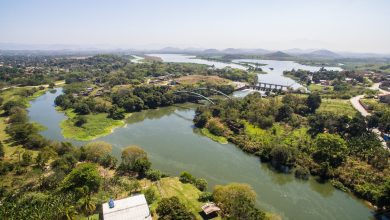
<point>173,145</point>
<point>273,68</point>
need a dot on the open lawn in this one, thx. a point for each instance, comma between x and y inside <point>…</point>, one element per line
<point>97,125</point>
<point>196,79</point>
<point>187,193</point>
<point>337,106</point>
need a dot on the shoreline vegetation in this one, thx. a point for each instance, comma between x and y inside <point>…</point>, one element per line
<point>308,137</point>
<point>216,138</point>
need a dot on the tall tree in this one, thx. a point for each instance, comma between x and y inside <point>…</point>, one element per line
<point>313,101</point>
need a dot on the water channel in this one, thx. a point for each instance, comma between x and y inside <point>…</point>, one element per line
<point>173,145</point>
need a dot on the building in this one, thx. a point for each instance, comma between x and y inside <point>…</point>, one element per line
<point>210,208</point>
<point>130,208</point>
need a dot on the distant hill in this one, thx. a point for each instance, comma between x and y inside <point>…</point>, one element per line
<point>327,53</point>
<point>212,51</point>
<point>322,54</point>
<point>294,51</point>
<point>277,55</point>
<point>258,51</point>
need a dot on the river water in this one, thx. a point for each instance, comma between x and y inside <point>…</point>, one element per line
<point>274,68</point>
<point>173,145</point>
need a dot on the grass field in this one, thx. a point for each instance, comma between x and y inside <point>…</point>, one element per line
<point>337,106</point>
<point>194,79</point>
<point>320,88</point>
<point>187,193</point>
<point>97,125</point>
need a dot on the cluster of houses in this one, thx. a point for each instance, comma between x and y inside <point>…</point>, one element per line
<point>137,208</point>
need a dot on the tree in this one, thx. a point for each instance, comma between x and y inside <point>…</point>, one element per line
<point>26,158</point>
<point>129,157</point>
<point>142,165</point>
<point>171,208</point>
<point>153,174</point>
<point>108,161</point>
<point>331,148</point>
<point>383,199</point>
<point>2,153</point>
<point>201,184</point>
<point>85,174</point>
<point>282,157</point>
<point>82,109</point>
<point>96,150</point>
<point>186,177</point>
<point>41,160</point>
<point>80,120</point>
<point>284,113</point>
<point>8,106</point>
<point>116,113</point>
<point>150,195</point>
<point>313,101</point>
<point>237,201</point>
<point>87,206</point>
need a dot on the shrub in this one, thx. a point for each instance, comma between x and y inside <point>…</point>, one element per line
<point>85,174</point>
<point>201,184</point>
<point>172,208</point>
<point>153,175</point>
<point>205,197</point>
<point>186,177</point>
<point>302,173</point>
<point>150,195</point>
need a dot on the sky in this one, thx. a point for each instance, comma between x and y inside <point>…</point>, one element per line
<point>339,25</point>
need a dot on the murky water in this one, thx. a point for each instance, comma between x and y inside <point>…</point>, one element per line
<point>173,145</point>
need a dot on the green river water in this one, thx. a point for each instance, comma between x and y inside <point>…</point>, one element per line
<point>173,145</point>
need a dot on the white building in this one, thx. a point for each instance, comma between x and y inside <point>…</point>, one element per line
<point>131,208</point>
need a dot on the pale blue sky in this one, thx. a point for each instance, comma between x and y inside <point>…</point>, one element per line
<point>341,25</point>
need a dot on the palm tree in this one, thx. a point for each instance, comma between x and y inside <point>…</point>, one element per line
<point>70,212</point>
<point>87,206</point>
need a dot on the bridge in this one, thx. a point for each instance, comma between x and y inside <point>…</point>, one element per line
<point>267,86</point>
<point>194,93</point>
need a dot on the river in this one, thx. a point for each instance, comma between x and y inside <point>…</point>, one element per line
<point>173,145</point>
<point>273,68</point>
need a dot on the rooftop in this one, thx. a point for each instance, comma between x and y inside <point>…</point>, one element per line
<point>134,208</point>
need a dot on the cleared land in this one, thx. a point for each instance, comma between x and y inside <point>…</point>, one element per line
<point>337,106</point>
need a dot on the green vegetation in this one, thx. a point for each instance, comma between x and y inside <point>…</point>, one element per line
<point>96,125</point>
<point>332,84</point>
<point>219,139</point>
<point>309,135</point>
<point>337,106</point>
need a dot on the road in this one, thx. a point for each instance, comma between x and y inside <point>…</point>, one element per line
<point>355,101</point>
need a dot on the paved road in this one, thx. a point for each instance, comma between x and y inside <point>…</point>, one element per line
<point>355,101</point>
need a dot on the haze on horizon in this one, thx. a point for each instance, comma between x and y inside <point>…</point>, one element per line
<point>339,25</point>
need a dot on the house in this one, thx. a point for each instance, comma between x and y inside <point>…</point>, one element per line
<point>210,208</point>
<point>134,208</point>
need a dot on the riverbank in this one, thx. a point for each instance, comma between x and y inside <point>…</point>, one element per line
<point>97,125</point>
<point>219,139</point>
